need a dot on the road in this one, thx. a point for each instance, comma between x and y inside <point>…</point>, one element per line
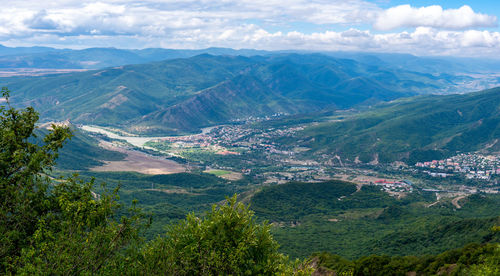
<point>455,201</point>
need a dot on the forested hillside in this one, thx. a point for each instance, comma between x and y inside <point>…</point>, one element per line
<point>70,226</point>
<point>156,97</point>
<point>413,129</point>
<point>336,217</point>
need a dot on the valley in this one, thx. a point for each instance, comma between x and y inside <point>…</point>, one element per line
<point>332,197</point>
<point>302,138</point>
<point>337,156</point>
<point>183,95</point>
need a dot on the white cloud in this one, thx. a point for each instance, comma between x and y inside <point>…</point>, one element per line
<point>159,17</point>
<point>433,16</point>
<point>247,24</point>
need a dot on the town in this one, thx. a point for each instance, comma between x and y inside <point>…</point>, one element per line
<point>238,147</point>
<point>472,166</point>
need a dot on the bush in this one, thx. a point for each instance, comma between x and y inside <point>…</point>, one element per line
<point>228,241</point>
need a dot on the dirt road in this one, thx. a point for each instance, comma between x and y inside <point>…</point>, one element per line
<point>455,201</point>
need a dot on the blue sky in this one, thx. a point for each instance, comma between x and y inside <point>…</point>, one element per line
<point>421,27</point>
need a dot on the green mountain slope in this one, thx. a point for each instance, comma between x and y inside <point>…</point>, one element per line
<point>185,94</point>
<point>115,95</point>
<point>238,98</point>
<point>472,259</point>
<point>414,129</point>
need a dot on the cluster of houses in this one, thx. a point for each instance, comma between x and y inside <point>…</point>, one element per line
<point>251,139</point>
<point>473,166</point>
<point>394,186</point>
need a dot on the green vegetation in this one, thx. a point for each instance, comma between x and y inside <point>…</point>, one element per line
<point>333,217</point>
<point>227,241</point>
<point>414,129</point>
<point>218,172</point>
<point>63,227</point>
<point>295,200</point>
<point>183,95</point>
<point>50,228</point>
<point>168,198</point>
<point>473,259</point>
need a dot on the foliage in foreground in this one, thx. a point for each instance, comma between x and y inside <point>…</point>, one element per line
<point>227,241</point>
<point>51,226</point>
<point>62,227</point>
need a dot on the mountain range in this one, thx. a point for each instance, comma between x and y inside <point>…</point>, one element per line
<point>98,58</point>
<point>184,95</point>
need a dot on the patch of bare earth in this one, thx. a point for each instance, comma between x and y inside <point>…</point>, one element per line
<point>232,176</point>
<point>138,162</point>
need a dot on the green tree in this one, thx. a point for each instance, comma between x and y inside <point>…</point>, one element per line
<point>52,226</point>
<point>61,226</point>
<point>227,241</point>
<point>490,263</point>
<point>22,184</point>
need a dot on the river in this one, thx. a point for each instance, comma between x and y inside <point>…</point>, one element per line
<point>137,141</point>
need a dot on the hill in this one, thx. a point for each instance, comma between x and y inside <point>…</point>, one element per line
<point>335,217</point>
<point>473,259</point>
<point>185,94</point>
<point>414,129</point>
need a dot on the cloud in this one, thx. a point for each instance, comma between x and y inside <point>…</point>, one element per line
<point>40,21</point>
<point>432,16</point>
<point>158,17</point>
<point>261,24</point>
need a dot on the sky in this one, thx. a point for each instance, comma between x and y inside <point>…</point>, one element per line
<point>420,27</point>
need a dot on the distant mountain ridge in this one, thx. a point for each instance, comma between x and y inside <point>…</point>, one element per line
<point>183,95</point>
<point>97,58</point>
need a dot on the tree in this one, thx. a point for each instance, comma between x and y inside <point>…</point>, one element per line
<point>227,241</point>
<point>490,263</point>
<point>51,226</point>
<point>61,226</point>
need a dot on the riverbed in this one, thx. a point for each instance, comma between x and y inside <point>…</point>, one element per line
<point>135,161</point>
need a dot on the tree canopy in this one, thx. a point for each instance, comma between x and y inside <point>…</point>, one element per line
<point>62,226</point>
<point>51,226</point>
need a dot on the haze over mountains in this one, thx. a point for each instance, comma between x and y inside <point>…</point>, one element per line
<point>98,58</point>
